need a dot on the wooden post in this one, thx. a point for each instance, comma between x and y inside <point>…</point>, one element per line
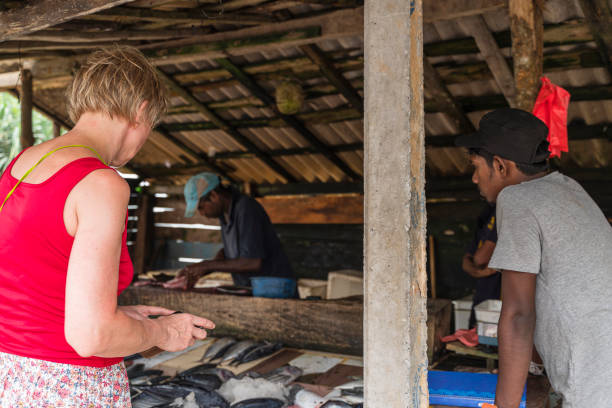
<point>27,137</point>
<point>395,272</point>
<point>57,129</point>
<point>432,267</point>
<point>527,27</point>
<point>144,212</point>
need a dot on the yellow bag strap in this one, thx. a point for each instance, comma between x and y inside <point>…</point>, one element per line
<point>39,161</point>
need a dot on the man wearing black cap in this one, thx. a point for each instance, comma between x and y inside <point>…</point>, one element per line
<point>554,249</point>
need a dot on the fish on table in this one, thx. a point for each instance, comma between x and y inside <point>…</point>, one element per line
<point>218,348</point>
<point>259,403</point>
<point>257,352</point>
<point>237,350</point>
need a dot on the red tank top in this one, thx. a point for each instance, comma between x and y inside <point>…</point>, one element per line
<point>34,253</point>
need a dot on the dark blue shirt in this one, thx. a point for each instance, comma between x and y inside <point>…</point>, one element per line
<point>249,234</point>
<point>488,287</point>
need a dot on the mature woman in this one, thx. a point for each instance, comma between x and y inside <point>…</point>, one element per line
<point>63,255</point>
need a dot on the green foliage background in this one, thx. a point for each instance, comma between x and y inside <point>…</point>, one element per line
<point>10,127</point>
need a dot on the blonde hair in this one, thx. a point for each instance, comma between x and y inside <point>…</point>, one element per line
<point>116,81</point>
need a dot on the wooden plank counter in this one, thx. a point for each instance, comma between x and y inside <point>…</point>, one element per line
<point>329,325</point>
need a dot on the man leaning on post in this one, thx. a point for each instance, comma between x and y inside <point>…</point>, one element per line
<point>554,249</point>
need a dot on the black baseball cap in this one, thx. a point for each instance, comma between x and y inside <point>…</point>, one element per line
<point>513,134</point>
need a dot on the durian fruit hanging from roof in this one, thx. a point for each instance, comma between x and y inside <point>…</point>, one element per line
<point>289,97</point>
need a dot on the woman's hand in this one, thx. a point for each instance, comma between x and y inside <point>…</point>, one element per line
<point>181,330</point>
<point>142,312</point>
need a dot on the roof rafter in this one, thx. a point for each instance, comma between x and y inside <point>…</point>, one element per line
<point>291,121</point>
<point>39,14</point>
<point>227,128</point>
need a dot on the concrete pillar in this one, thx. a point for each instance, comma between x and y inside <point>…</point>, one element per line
<point>395,258</point>
<point>26,99</point>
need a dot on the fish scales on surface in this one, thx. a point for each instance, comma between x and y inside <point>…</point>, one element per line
<point>259,403</point>
<point>218,348</point>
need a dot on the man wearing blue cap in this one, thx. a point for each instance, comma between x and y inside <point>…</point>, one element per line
<point>554,250</point>
<point>250,244</point>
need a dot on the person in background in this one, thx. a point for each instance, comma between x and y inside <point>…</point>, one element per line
<point>554,249</point>
<point>250,244</point>
<point>63,254</point>
<point>476,259</point>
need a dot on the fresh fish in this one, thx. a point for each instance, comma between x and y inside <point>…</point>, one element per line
<point>258,352</point>
<point>148,379</point>
<point>237,349</point>
<point>259,403</point>
<point>357,391</point>
<point>207,399</point>
<point>209,382</point>
<point>218,348</point>
<point>336,404</point>
<point>199,369</point>
<point>284,375</point>
<point>149,400</point>
<point>137,370</point>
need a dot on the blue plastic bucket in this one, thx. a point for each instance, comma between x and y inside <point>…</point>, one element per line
<point>272,287</point>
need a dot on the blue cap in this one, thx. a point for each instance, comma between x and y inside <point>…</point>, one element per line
<point>197,187</point>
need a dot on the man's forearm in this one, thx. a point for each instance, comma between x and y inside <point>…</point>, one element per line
<point>515,334</point>
<point>240,265</point>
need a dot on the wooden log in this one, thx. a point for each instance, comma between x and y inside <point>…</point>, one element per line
<point>526,25</point>
<point>39,14</point>
<point>333,326</point>
<point>26,100</point>
<point>321,325</point>
<point>64,36</point>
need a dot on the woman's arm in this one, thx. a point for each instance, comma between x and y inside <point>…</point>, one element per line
<point>94,324</point>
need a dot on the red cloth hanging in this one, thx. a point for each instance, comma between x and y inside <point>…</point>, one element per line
<point>467,337</point>
<point>551,107</point>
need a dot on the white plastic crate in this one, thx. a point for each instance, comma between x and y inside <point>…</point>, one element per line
<point>462,309</point>
<point>488,311</point>
<point>312,287</point>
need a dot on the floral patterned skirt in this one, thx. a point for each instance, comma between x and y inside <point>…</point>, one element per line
<point>27,382</point>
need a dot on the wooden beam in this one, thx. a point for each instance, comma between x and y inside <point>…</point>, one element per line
<point>57,129</point>
<point>451,9</point>
<point>332,25</point>
<point>526,25</point>
<point>26,100</point>
<point>318,209</point>
<point>291,121</point>
<point>566,33</point>
<point>597,14</point>
<point>344,113</point>
<point>477,26</point>
<point>333,76</point>
<point>64,36</point>
<point>207,164</point>
<point>143,235</point>
<point>39,14</point>
<point>223,125</point>
<point>439,94</point>
<point>195,16</point>
<point>220,48</point>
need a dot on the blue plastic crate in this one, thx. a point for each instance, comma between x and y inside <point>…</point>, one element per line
<point>463,389</point>
<point>272,287</point>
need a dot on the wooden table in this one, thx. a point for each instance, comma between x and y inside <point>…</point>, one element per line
<point>460,348</point>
